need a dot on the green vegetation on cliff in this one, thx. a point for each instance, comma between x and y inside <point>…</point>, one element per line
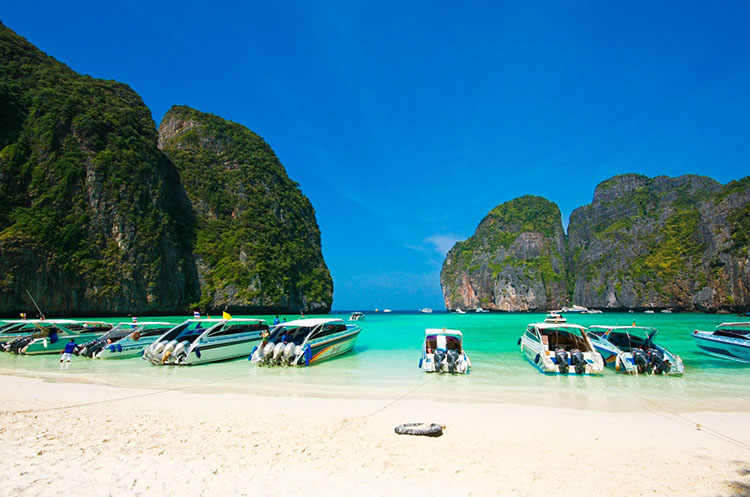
<point>661,242</point>
<point>643,242</point>
<point>258,243</point>
<point>494,255</point>
<point>86,190</point>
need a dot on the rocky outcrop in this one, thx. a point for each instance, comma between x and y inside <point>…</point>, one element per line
<point>93,219</point>
<point>258,247</point>
<point>643,243</point>
<point>96,220</point>
<point>662,243</point>
<point>515,261</point>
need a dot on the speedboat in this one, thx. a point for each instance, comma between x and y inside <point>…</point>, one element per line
<point>197,341</point>
<point>728,341</point>
<point>125,340</point>
<point>386,310</point>
<point>460,311</point>
<point>51,336</point>
<point>16,328</point>
<point>425,310</point>
<point>442,351</point>
<point>631,349</point>
<point>356,316</point>
<point>554,317</point>
<point>575,309</point>
<point>560,348</point>
<point>306,341</point>
<point>479,309</point>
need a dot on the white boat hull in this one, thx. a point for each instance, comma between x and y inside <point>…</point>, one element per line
<point>545,361</point>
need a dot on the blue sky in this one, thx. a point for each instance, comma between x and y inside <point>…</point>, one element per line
<point>406,122</point>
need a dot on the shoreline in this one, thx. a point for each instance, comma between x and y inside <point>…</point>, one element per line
<point>154,442</point>
<point>630,393</point>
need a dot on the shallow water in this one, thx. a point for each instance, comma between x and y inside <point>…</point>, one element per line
<point>384,362</point>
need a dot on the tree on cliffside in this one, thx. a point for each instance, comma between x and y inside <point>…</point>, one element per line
<point>258,243</point>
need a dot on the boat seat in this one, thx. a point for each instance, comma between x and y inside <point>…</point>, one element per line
<point>545,342</point>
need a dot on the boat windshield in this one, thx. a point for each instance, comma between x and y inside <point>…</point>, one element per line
<point>296,334</point>
<point>12,327</point>
<point>235,328</point>
<point>89,327</point>
<point>733,330</point>
<point>564,337</point>
<point>451,342</point>
<point>120,330</point>
<point>188,331</point>
<point>153,330</point>
<point>626,338</point>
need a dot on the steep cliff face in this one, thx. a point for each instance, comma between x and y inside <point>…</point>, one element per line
<point>258,245</point>
<point>93,219</point>
<point>662,242</point>
<point>681,243</point>
<point>515,261</point>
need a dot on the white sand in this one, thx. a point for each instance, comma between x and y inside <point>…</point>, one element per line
<point>120,441</point>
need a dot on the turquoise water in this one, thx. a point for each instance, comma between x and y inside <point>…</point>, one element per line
<point>384,362</point>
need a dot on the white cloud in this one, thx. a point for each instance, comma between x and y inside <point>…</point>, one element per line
<point>437,243</point>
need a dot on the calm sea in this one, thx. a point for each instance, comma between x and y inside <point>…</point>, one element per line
<point>384,364</point>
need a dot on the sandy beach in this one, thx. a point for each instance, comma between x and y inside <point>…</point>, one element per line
<point>91,439</point>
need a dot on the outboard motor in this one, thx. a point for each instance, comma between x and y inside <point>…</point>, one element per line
<point>289,352</point>
<point>180,350</point>
<point>168,348</point>
<point>439,356</point>
<point>657,363</point>
<point>452,357</point>
<point>267,353</point>
<point>157,349</point>
<point>577,360</point>
<point>90,348</point>
<point>562,360</point>
<point>278,352</point>
<point>641,361</point>
<point>16,345</point>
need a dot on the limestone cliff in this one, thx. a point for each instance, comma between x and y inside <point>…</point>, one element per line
<point>258,245</point>
<point>515,261</point>
<point>662,242</point>
<point>643,243</point>
<point>93,219</point>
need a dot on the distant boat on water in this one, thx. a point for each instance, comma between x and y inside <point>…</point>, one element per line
<point>479,309</point>
<point>425,310</point>
<point>460,311</point>
<point>575,309</point>
<point>386,310</point>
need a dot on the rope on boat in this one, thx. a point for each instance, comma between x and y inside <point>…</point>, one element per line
<point>393,402</point>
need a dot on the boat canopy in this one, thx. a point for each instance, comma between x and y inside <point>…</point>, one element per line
<point>742,325</point>
<point>646,331</point>
<point>311,322</point>
<point>558,326</point>
<point>440,331</point>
